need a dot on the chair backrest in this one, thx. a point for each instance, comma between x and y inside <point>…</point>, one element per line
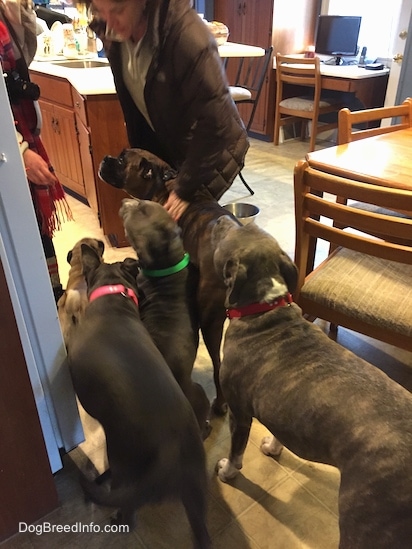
<point>250,75</point>
<point>320,216</point>
<point>347,119</point>
<point>298,71</point>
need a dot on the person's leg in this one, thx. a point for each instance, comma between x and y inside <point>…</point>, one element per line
<point>52,266</point>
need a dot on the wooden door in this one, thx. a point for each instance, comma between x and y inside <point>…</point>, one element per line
<point>26,483</point>
<point>68,151</point>
<point>47,131</point>
<point>404,89</point>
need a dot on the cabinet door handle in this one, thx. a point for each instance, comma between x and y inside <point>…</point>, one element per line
<point>239,9</point>
<point>244,8</point>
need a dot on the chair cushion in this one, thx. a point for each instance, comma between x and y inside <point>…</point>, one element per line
<point>303,103</point>
<point>239,94</point>
<point>368,288</point>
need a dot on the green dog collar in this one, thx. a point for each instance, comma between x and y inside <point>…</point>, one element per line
<point>169,270</point>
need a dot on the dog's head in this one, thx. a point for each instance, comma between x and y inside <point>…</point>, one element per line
<point>74,256</point>
<point>151,231</point>
<point>254,267</point>
<point>98,273</point>
<point>139,172</point>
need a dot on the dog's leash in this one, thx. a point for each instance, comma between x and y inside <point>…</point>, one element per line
<point>113,289</point>
<point>255,308</point>
<point>168,270</point>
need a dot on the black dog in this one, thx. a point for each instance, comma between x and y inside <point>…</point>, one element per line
<point>153,442</point>
<point>318,399</point>
<point>143,175</point>
<point>166,294</point>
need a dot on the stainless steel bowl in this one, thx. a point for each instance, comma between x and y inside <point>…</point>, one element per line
<point>245,213</point>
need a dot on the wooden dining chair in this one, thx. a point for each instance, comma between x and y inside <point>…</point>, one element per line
<point>306,107</point>
<point>246,88</point>
<point>400,115</point>
<point>365,284</point>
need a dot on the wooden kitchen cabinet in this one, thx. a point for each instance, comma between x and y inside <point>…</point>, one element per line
<point>107,133</point>
<point>59,131</point>
<point>59,134</point>
<point>249,22</point>
<point>78,131</point>
<point>288,26</point>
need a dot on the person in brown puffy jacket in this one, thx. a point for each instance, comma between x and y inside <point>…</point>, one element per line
<point>173,91</point>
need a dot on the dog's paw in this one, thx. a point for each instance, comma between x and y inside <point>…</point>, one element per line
<point>218,409</point>
<point>270,446</point>
<point>124,518</point>
<point>226,470</point>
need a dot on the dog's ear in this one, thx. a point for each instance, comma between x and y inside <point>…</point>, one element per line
<point>289,272</point>
<point>90,259</point>
<point>100,245</point>
<point>234,276</point>
<point>221,228</point>
<point>131,266</point>
<point>69,257</point>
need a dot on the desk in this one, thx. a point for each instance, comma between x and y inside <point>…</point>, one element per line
<point>231,49</point>
<point>381,160</point>
<point>368,86</point>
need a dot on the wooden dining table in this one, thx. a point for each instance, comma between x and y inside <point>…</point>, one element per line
<point>381,160</point>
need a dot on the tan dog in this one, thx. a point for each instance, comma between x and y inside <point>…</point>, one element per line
<point>72,303</point>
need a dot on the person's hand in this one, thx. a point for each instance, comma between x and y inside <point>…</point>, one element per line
<point>175,206</point>
<point>37,170</point>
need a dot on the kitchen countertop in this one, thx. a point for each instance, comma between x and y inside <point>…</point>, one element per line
<point>93,81</point>
<point>99,80</point>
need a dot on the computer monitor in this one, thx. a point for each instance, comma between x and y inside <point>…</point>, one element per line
<point>337,35</point>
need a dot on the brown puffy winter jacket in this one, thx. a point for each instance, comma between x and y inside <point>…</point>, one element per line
<point>197,126</point>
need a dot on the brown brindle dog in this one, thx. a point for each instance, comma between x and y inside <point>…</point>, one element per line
<point>145,176</point>
<point>317,398</point>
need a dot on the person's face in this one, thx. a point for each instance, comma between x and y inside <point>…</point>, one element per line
<point>122,17</point>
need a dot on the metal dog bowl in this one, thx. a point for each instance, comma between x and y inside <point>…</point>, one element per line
<point>245,213</point>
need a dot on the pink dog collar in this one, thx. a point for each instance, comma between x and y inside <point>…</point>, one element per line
<point>255,308</point>
<point>113,289</point>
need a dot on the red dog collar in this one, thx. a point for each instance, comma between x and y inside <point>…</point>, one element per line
<point>113,289</point>
<point>255,308</point>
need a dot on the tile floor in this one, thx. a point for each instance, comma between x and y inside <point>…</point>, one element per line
<point>284,504</point>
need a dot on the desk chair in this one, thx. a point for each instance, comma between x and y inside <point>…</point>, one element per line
<point>365,283</point>
<point>347,119</point>
<point>248,82</point>
<point>299,71</point>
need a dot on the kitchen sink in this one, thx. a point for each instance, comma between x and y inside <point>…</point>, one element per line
<point>81,64</point>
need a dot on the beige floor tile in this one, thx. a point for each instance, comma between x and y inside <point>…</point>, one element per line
<point>289,517</point>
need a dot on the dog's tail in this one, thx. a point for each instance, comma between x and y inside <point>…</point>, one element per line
<point>75,303</point>
<point>151,487</point>
<point>114,498</point>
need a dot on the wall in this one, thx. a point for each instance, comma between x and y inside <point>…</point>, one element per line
<point>379,19</point>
